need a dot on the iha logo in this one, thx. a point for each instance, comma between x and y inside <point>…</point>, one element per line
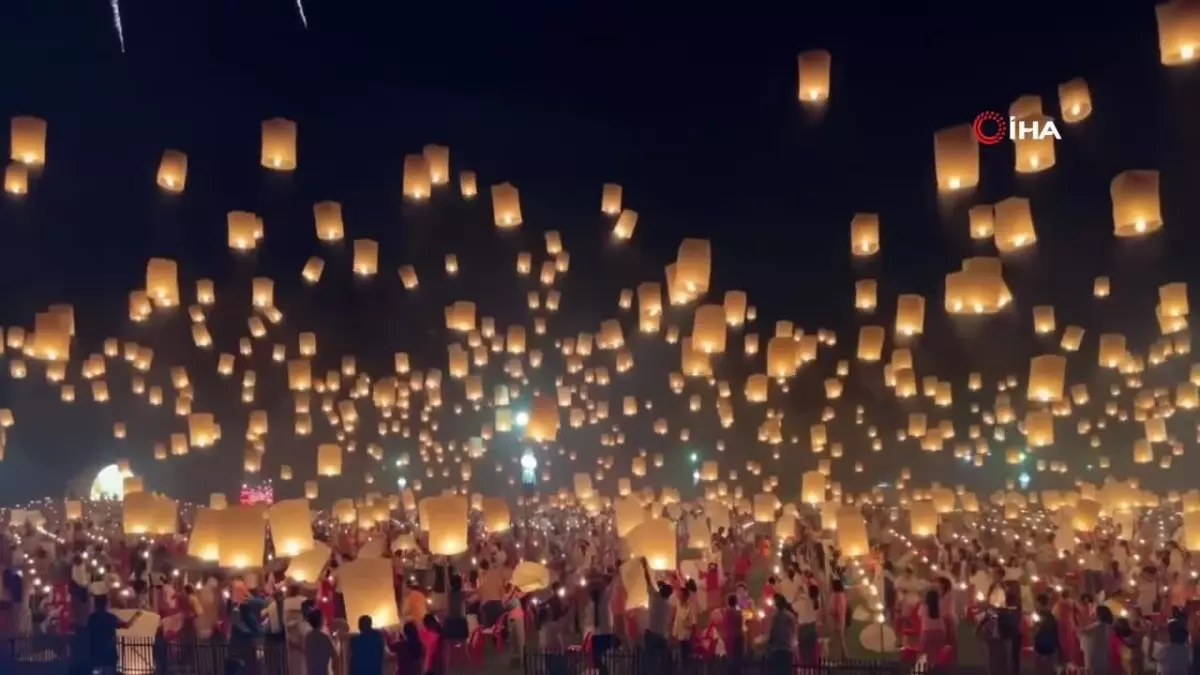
<point>991,128</point>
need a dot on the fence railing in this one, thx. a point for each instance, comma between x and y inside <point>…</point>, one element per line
<point>52,655</point>
<point>641,661</point>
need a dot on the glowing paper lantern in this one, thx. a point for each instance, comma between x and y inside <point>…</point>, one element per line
<point>1047,376</point>
<point>870,343</point>
<point>1178,32</point>
<point>468,185</point>
<point>366,257</point>
<point>1191,530</point>
<point>279,144</point>
<point>242,532</point>
<point>956,158</point>
<point>437,157</point>
<point>366,587</point>
<point>329,460</point>
<point>417,183</point>
<point>328,218</point>
<point>1032,142</point>
<point>506,205</point>
<point>162,282</point>
<point>813,76</point>
<point>625,225</point>
<point>445,519</point>
<point>852,538</point>
<point>172,171</point>
<point>610,199</point>
<point>1136,206</point>
<point>204,542</point>
<point>1086,515</point>
<point>910,315</point>
<point>496,515</point>
<point>1075,100</point>
<point>16,179</point>
<point>27,140</point>
<point>923,519</point>
<point>306,568</point>
<point>654,540</point>
<point>543,421</point>
<point>291,527</point>
<point>1014,225</point>
<point>864,234</point>
<point>812,487</point>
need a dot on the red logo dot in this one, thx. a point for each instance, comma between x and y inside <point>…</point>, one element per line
<point>990,128</point>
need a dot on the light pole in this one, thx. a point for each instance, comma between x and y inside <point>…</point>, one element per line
<point>529,465</point>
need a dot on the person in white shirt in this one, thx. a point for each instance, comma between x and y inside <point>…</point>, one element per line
<point>684,625</point>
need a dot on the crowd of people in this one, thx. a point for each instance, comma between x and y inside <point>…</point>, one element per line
<point>1104,603</point>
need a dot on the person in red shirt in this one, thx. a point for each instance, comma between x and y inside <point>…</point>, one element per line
<point>741,567</point>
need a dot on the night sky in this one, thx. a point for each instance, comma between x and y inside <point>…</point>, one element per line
<point>692,110</point>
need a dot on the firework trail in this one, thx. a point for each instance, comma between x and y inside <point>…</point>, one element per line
<point>299,8</point>
<point>116,12</point>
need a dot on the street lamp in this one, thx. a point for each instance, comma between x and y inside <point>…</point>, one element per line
<point>528,487</point>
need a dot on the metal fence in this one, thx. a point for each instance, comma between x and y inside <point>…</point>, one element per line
<point>54,655</point>
<point>645,662</point>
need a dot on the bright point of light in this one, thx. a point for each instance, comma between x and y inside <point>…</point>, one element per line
<point>695,457</point>
<point>402,481</point>
<point>1188,51</point>
<point>1023,479</point>
<point>522,418</point>
<point>528,461</point>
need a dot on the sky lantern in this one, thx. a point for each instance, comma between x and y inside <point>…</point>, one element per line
<point>506,205</point>
<point>172,171</point>
<point>1178,32</point>
<point>328,218</point>
<point>956,158</point>
<point>417,185</point>
<point>1014,225</point>
<point>437,159</point>
<point>1043,319</point>
<point>735,308</point>
<point>242,227</point>
<point>694,267</point>
<point>445,519</point>
<point>870,343</point>
<point>1075,100</point>
<point>813,69</point>
<point>1047,376</point>
<point>16,179</point>
<point>864,234</point>
<point>279,144</point>
<point>162,282</point>
<point>610,200</point>
<point>982,221</point>
<point>27,140</point>
<point>865,295</point>
<point>625,225</point>
<point>1033,143</point>
<point>329,460</point>
<point>708,329</point>
<point>1112,350</point>
<point>1136,207</point>
<point>242,536</point>
<point>366,257</point>
<point>910,314</point>
<point>468,184</point>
